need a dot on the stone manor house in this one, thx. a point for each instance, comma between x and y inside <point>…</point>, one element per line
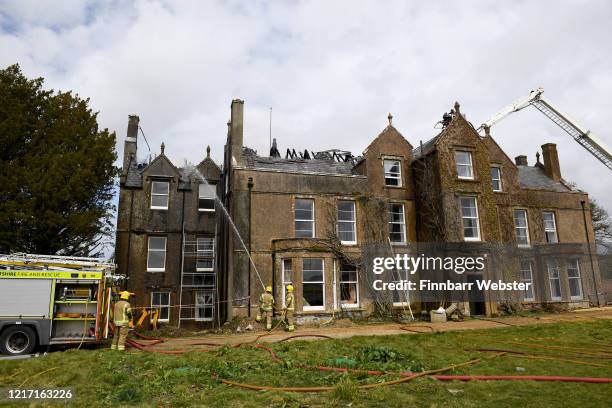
<point>316,219</point>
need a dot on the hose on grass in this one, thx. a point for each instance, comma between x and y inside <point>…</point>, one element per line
<point>406,376</point>
<point>361,387</point>
<point>411,327</point>
<point>36,375</point>
<point>519,354</point>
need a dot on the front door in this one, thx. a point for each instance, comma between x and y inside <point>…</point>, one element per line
<point>476,296</point>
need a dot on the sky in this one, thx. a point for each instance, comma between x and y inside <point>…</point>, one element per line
<point>330,70</point>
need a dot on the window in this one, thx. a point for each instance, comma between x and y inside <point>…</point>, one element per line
<point>204,306</point>
<point>393,173</point>
<point>573,276</point>
<point>397,225</point>
<point>347,228</point>
<point>160,191</point>
<point>349,286</point>
<point>550,227</point>
<point>207,193</point>
<point>287,268</point>
<point>469,214</point>
<point>161,301</point>
<point>205,254</point>
<point>463,160</point>
<point>313,284</point>
<point>496,180</point>
<point>527,277</point>
<point>521,227</point>
<point>156,259</point>
<point>304,218</point>
<point>554,278</point>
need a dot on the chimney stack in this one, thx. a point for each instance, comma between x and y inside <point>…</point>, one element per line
<point>551,161</point>
<point>236,131</point>
<point>520,160</point>
<point>130,144</point>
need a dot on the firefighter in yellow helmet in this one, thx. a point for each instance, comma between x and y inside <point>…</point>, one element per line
<point>122,313</point>
<point>266,304</point>
<point>289,307</point>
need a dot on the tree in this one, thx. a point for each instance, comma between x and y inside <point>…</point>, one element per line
<point>602,224</point>
<point>57,170</point>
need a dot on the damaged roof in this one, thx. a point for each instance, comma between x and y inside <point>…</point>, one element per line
<point>534,177</point>
<point>296,165</point>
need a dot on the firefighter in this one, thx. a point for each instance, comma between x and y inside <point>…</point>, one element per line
<point>289,308</point>
<point>122,313</point>
<point>266,303</point>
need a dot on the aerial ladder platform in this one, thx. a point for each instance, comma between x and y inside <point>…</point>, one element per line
<point>584,137</point>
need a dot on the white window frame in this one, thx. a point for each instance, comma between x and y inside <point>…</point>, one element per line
<point>550,230</point>
<point>393,175</point>
<point>312,221</point>
<point>529,279</point>
<point>356,282</point>
<point>284,282</point>
<point>499,180</point>
<point>578,278</point>
<point>205,253</point>
<point>197,306</point>
<point>202,196</point>
<point>322,283</point>
<point>352,223</point>
<point>552,265</point>
<point>167,195</point>
<point>517,228</point>
<point>469,165</point>
<point>160,306</point>
<point>477,218</point>
<point>402,224</point>
<point>149,250</point>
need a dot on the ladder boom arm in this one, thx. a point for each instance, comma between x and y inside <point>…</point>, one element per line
<point>579,134</point>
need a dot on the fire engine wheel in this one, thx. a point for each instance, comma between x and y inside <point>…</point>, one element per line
<point>17,340</point>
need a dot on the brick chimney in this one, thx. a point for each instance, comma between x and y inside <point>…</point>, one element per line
<point>236,131</point>
<point>130,144</point>
<point>521,160</point>
<point>551,161</point>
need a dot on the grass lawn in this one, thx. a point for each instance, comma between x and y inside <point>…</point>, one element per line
<point>105,378</point>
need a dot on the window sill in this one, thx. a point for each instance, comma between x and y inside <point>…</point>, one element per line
<point>156,270</point>
<point>349,243</point>
<point>159,208</point>
<point>314,310</point>
<point>472,240</point>
<point>204,210</point>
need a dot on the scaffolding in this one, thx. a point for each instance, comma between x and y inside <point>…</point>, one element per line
<point>198,286</point>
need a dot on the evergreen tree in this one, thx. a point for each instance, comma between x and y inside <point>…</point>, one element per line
<point>57,170</point>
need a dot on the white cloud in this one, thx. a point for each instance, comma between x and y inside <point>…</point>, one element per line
<point>331,70</point>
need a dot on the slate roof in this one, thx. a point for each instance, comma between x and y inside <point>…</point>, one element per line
<point>133,177</point>
<point>533,177</point>
<point>428,146</point>
<point>297,165</point>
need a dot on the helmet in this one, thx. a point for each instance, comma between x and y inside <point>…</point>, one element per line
<point>269,289</point>
<point>125,294</point>
<point>289,288</point>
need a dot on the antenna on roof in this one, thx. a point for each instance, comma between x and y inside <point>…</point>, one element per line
<point>270,128</point>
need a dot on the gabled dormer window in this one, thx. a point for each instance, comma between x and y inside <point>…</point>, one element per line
<point>160,193</point>
<point>393,172</point>
<point>463,161</point>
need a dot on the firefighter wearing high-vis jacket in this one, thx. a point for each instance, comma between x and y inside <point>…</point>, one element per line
<point>289,307</point>
<point>266,304</point>
<point>122,313</point>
